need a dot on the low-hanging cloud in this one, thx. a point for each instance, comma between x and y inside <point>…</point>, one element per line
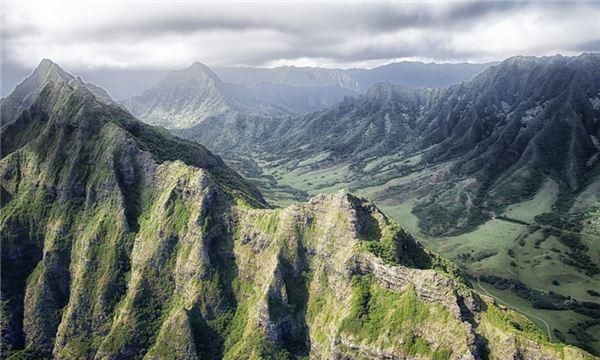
<point>139,35</point>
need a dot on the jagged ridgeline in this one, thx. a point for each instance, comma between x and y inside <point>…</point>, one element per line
<point>120,241</point>
<point>465,152</point>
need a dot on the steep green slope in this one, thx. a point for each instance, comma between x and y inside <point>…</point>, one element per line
<point>512,127</point>
<point>499,174</point>
<point>375,124</point>
<point>78,173</point>
<point>463,155</point>
<point>120,241</point>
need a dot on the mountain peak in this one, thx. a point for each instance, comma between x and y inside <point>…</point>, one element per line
<point>197,72</point>
<point>46,64</point>
<point>200,69</point>
<point>46,71</point>
<point>49,70</point>
<point>199,65</point>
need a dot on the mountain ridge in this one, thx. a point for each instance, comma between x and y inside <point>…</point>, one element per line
<point>500,174</point>
<point>190,96</point>
<point>277,92</point>
<point>186,98</point>
<point>463,121</point>
<point>415,74</point>
<point>122,241</point>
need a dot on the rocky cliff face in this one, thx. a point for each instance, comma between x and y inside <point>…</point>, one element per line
<point>120,241</point>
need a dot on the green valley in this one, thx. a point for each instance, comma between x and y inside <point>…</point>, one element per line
<point>120,240</point>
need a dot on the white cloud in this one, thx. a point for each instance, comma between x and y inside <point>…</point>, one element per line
<point>167,35</point>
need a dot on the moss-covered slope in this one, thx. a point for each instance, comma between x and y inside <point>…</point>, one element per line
<point>120,241</point>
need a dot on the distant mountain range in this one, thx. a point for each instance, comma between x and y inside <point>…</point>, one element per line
<point>126,83</point>
<point>188,97</point>
<point>414,74</point>
<point>288,75</point>
<point>513,125</point>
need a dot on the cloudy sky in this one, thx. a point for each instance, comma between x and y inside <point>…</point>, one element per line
<point>134,35</point>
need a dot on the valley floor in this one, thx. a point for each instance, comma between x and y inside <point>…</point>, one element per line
<point>511,246</point>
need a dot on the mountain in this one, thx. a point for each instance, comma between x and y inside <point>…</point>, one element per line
<point>368,125</point>
<point>80,179</point>
<point>123,84</point>
<point>188,97</point>
<point>47,71</point>
<point>417,74</point>
<point>519,123</point>
<point>414,74</point>
<point>513,125</point>
<point>123,241</point>
<point>288,75</point>
<point>373,124</point>
<point>300,99</point>
<point>500,173</point>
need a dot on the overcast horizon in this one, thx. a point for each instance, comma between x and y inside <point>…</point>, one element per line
<point>154,37</point>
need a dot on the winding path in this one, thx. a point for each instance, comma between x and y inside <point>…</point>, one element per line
<point>546,291</point>
<point>517,309</point>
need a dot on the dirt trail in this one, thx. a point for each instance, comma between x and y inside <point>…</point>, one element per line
<point>549,333</point>
<point>572,297</point>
